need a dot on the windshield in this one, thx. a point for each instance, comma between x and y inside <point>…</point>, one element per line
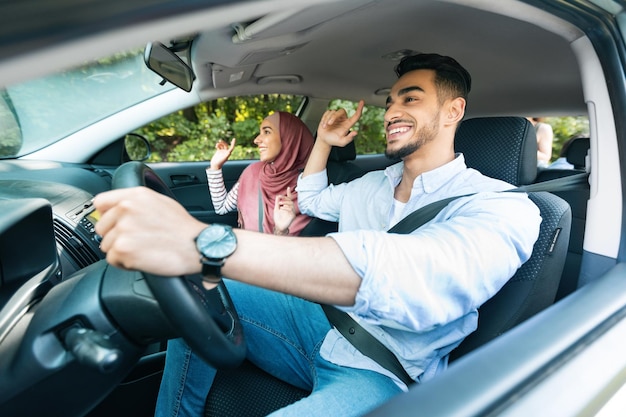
<point>39,112</point>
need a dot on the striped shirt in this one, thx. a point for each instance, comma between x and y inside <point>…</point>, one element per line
<point>223,202</point>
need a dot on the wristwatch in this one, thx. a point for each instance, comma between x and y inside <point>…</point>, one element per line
<point>215,243</point>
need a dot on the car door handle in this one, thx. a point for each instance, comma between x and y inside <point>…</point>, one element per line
<point>186,179</point>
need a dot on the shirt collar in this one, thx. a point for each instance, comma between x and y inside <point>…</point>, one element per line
<point>432,180</point>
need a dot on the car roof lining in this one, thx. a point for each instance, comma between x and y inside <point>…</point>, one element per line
<point>286,56</point>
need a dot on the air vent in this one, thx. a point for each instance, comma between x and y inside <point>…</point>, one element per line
<point>74,246</point>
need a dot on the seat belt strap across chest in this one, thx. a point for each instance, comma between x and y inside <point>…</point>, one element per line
<point>426,213</point>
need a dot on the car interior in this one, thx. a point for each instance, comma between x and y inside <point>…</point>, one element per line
<point>87,339</point>
<point>486,142</point>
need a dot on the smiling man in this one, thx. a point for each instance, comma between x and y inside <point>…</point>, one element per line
<point>416,293</point>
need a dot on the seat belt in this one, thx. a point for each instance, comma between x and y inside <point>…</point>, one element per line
<point>261,210</point>
<point>367,344</point>
<point>424,214</point>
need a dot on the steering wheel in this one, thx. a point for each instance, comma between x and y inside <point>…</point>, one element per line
<point>207,320</point>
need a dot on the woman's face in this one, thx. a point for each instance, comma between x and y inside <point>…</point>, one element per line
<point>268,139</point>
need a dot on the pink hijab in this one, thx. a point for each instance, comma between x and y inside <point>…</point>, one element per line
<point>272,178</point>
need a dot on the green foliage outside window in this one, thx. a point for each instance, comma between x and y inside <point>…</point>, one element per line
<point>191,134</point>
<point>370,127</point>
<point>564,128</point>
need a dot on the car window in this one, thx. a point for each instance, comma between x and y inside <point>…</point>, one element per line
<point>39,112</point>
<point>370,127</point>
<point>566,128</point>
<point>191,134</point>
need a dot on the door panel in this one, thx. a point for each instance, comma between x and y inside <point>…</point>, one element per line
<point>188,182</point>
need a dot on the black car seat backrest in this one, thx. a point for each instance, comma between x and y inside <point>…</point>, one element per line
<point>577,197</point>
<point>500,147</point>
<point>341,167</point>
<point>506,148</point>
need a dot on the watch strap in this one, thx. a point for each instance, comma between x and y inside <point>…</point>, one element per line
<point>211,269</point>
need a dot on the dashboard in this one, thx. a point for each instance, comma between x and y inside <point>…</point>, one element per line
<point>64,224</point>
<point>69,322</point>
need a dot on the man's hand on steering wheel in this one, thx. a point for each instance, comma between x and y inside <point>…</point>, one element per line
<point>207,320</point>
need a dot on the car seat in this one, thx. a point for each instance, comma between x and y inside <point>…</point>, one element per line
<point>577,197</point>
<point>503,148</point>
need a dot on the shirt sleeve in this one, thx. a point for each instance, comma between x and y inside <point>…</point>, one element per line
<point>445,269</point>
<point>223,202</point>
<point>316,198</point>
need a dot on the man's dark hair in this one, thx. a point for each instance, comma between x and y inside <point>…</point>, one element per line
<point>450,76</point>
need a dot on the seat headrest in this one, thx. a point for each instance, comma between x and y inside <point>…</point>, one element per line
<point>576,151</point>
<point>347,153</point>
<point>499,147</point>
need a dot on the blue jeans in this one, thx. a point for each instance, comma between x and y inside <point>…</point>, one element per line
<point>284,335</point>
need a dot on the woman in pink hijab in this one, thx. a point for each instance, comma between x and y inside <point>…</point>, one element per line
<point>265,193</point>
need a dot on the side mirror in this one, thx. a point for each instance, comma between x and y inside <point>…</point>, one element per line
<point>136,148</point>
<point>168,65</point>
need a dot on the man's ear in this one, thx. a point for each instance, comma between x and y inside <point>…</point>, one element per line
<point>455,110</point>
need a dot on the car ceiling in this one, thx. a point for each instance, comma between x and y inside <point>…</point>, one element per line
<point>346,45</point>
<point>335,49</point>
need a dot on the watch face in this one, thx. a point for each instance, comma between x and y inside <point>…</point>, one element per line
<point>216,241</point>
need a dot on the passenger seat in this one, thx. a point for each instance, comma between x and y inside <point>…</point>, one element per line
<point>576,154</point>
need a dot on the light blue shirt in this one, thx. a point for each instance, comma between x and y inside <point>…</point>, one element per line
<point>420,292</point>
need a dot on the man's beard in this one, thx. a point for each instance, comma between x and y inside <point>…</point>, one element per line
<point>424,135</point>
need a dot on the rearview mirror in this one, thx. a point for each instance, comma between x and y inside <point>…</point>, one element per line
<point>168,65</point>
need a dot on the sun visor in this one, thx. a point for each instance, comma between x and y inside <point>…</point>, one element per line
<point>224,77</point>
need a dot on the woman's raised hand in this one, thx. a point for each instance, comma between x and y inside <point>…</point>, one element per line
<point>222,153</point>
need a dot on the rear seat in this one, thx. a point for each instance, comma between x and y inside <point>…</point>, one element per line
<point>576,154</point>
